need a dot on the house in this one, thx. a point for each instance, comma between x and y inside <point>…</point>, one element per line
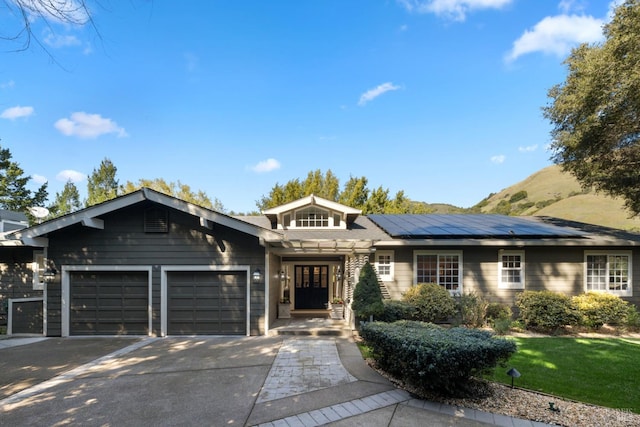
<point>149,264</point>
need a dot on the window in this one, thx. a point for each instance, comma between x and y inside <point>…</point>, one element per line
<point>608,272</point>
<point>38,268</point>
<point>384,265</point>
<point>312,217</point>
<point>443,268</point>
<point>511,269</point>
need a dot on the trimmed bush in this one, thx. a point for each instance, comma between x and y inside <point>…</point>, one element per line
<point>395,310</point>
<point>472,310</point>
<point>434,358</point>
<point>546,310</point>
<point>433,303</point>
<point>496,310</point>
<point>367,296</point>
<point>598,308</point>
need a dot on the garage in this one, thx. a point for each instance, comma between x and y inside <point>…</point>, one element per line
<point>206,302</point>
<point>109,303</point>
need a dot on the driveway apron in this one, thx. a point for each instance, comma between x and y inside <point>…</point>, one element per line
<point>169,381</point>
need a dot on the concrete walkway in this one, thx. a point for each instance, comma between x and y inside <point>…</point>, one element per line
<point>306,365</point>
<point>253,381</point>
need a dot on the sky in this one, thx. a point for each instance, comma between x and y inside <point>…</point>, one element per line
<point>441,99</point>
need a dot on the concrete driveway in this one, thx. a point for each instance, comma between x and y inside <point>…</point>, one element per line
<point>170,381</point>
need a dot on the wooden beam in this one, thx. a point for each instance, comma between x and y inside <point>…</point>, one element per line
<point>93,223</point>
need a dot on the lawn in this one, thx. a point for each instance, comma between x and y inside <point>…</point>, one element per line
<point>601,371</point>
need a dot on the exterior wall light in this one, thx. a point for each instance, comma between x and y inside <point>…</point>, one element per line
<point>257,276</point>
<point>49,274</point>
<point>282,275</point>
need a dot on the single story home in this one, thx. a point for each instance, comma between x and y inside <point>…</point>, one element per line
<point>149,264</point>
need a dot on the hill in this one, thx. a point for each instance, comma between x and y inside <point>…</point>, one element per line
<point>552,192</point>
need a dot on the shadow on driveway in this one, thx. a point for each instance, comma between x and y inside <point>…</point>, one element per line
<point>169,381</point>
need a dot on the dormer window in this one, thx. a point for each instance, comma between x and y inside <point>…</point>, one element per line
<point>312,217</point>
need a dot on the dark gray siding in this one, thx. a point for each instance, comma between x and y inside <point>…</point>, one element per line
<point>123,241</point>
<point>16,277</point>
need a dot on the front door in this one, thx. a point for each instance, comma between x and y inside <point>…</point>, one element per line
<point>311,286</point>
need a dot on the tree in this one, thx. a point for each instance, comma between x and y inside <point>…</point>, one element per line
<point>14,194</point>
<point>67,201</point>
<point>179,190</point>
<point>595,113</point>
<point>102,184</point>
<point>355,193</point>
<point>367,297</point>
<point>27,12</point>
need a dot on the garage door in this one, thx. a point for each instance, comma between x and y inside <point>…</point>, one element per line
<point>109,303</point>
<point>206,303</point>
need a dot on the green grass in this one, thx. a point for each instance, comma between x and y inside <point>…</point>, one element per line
<point>603,372</point>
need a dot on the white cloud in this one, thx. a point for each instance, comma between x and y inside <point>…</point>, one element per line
<point>266,166</point>
<point>85,125</point>
<point>16,112</point>
<point>70,175</point>
<point>371,94</point>
<point>58,41</point>
<point>452,9</point>
<point>556,35</point>
<point>499,159</point>
<point>7,85</point>
<point>528,149</point>
<point>39,179</point>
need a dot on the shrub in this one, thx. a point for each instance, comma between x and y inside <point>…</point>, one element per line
<point>546,310</point>
<point>520,195</point>
<point>632,320</point>
<point>496,310</point>
<point>397,310</point>
<point>432,302</point>
<point>597,308</point>
<point>501,325</point>
<point>434,358</point>
<point>472,310</point>
<point>367,297</point>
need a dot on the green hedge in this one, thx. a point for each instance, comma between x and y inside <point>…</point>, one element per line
<point>434,358</point>
<point>395,310</point>
<point>546,310</point>
<point>598,308</point>
<point>433,302</point>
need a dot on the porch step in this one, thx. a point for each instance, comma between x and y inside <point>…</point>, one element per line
<point>311,327</point>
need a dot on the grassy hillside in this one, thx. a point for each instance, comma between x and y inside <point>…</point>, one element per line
<point>551,192</point>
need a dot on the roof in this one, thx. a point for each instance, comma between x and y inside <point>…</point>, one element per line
<point>33,236</point>
<point>6,215</point>
<point>444,226</point>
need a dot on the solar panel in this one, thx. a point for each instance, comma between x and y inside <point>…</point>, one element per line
<point>475,225</point>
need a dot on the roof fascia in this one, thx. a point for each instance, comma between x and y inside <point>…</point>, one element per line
<point>88,216</point>
<point>510,243</point>
<point>312,200</point>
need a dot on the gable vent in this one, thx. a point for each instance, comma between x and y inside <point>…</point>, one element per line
<point>156,221</point>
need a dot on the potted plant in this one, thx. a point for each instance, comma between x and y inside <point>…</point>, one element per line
<point>337,308</point>
<point>284,309</point>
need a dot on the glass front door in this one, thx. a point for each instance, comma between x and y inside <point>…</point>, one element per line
<point>311,286</point>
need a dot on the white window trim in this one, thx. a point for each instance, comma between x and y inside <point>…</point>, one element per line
<point>386,277</point>
<point>38,267</point>
<point>501,284</point>
<point>607,253</point>
<point>460,289</point>
<point>331,216</point>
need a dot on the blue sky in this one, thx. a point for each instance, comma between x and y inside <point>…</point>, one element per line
<point>439,98</point>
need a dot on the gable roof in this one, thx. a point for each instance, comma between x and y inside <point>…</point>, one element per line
<point>349,213</point>
<point>33,236</point>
